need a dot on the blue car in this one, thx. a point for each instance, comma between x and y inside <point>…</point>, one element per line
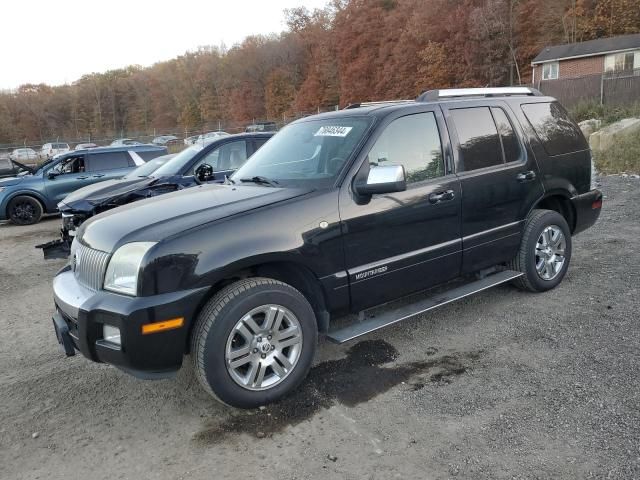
<point>25,198</point>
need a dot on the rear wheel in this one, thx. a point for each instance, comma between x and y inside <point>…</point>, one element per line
<point>545,251</point>
<point>254,342</point>
<point>24,210</point>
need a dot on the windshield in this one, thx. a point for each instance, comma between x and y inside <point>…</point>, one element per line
<point>148,168</point>
<point>309,153</point>
<point>177,163</point>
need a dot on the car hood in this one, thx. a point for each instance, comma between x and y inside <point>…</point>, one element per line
<point>161,217</point>
<point>7,182</point>
<point>86,198</point>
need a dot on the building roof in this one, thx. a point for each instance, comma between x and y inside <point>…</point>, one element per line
<point>599,46</point>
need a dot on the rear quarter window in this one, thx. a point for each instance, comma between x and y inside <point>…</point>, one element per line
<point>556,131</point>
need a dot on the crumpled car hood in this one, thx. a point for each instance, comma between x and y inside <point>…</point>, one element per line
<point>86,198</point>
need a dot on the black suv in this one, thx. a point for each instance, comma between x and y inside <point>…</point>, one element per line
<point>455,192</point>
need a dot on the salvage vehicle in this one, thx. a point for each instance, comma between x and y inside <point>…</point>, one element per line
<point>24,199</point>
<point>449,194</point>
<point>198,164</point>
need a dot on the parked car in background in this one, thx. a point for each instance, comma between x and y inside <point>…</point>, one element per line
<point>261,127</point>
<point>11,168</point>
<point>339,213</point>
<point>24,155</point>
<point>124,141</point>
<point>210,136</point>
<point>85,146</point>
<point>197,164</point>
<point>191,140</point>
<point>165,140</point>
<point>24,199</point>
<point>50,150</point>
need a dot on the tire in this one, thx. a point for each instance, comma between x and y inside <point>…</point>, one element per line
<point>539,257</point>
<point>24,210</point>
<point>239,366</point>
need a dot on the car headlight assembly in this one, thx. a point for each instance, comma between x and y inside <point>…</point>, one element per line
<point>124,266</point>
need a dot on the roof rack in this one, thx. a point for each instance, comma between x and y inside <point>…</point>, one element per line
<point>432,95</point>
<point>376,104</point>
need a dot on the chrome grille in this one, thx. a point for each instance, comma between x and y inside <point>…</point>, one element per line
<point>88,265</point>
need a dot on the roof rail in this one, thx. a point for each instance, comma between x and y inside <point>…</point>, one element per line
<point>376,104</point>
<point>432,95</point>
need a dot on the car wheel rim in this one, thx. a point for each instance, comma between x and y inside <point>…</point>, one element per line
<point>263,347</point>
<point>550,252</point>
<point>23,211</point>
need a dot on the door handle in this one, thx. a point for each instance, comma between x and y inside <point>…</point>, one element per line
<point>98,175</point>
<point>526,176</point>
<point>442,196</point>
<point>82,178</point>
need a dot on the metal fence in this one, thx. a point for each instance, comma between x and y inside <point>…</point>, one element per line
<point>608,89</point>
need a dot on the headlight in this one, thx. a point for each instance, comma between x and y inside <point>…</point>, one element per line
<point>122,272</point>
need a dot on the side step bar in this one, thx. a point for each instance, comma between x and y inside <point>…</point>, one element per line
<point>404,312</point>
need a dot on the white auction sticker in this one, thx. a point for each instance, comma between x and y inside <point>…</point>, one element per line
<point>335,131</point>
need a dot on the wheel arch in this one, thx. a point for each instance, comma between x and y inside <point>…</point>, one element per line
<point>293,273</point>
<point>26,193</point>
<point>559,201</point>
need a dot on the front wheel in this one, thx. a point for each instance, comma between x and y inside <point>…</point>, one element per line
<point>24,210</point>
<point>254,342</point>
<point>545,251</point>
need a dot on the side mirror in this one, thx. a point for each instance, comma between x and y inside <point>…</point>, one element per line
<point>51,175</point>
<point>204,173</point>
<point>383,179</point>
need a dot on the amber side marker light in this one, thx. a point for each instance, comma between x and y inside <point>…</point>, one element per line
<point>597,204</point>
<point>162,326</point>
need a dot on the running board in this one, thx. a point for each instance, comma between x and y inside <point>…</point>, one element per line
<point>384,319</point>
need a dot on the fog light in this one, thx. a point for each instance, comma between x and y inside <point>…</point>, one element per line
<point>111,334</point>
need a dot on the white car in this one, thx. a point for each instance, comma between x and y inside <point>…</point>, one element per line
<point>50,150</point>
<point>84,146</point>
<point>210,136</point>
<point>24,155</point>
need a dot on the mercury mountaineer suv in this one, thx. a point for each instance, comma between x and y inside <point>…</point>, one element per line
<point>454,192</point>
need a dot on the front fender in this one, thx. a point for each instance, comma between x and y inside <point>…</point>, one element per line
<point>8,196</point>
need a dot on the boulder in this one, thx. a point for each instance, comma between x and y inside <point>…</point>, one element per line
<point>606,137</point>
<point>590,126</point>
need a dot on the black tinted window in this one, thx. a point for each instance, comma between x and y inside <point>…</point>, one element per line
<point>412,141</point>
<point>479,142</point>
<point>554,128</point>
<point>108,161</point>
<point>510,142</point>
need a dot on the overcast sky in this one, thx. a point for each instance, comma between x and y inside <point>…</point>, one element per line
<point>57,41</point>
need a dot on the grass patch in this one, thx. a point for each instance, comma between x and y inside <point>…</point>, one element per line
<point>607,113</point>
<point>622,157</point>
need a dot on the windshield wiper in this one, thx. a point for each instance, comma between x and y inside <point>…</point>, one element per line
<point>260,180</point>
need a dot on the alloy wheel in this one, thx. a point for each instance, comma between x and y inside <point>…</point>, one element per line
<point>263,347</point>
<point>550,252</point>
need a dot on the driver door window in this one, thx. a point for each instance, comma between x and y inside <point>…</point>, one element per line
<point>414,142</point>
<point>229,156</point>
<point>71,165</point>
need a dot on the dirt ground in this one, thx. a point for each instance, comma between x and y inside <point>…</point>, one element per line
<point>504,384</point>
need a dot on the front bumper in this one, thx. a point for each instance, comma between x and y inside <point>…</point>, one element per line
<point>85,312</point>
<point>587,208</point>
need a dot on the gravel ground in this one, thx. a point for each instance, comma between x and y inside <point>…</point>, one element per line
<point>504,384</point>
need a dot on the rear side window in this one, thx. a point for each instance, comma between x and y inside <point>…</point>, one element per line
<point>108,161</point>
<point>554,128</point>
<point>478,137</point>
<point>510,144</point>
<point>414,142</point>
